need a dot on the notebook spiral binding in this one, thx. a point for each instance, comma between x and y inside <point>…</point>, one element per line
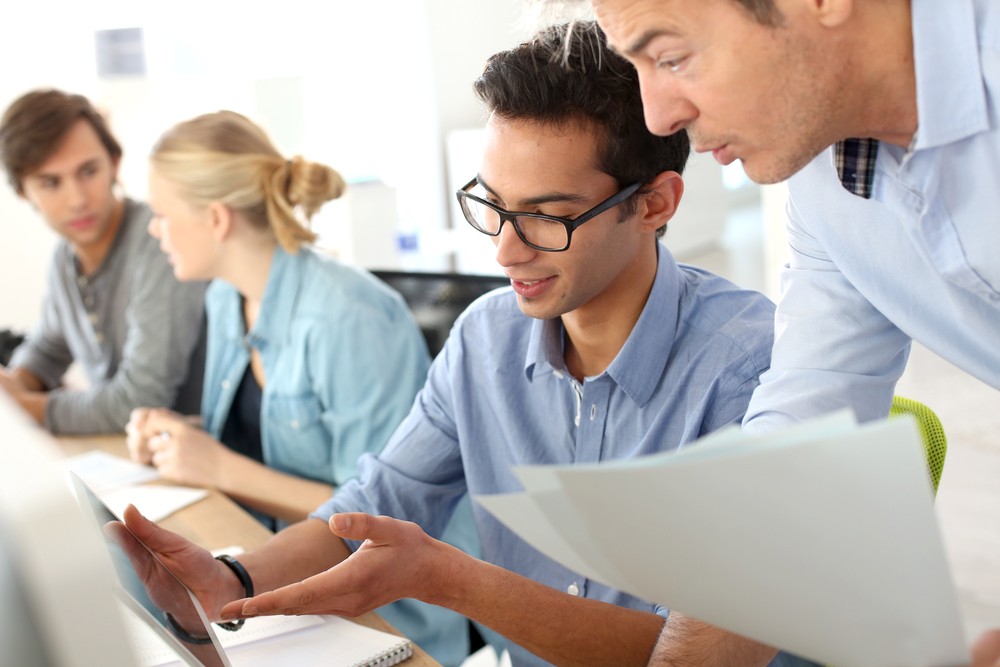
<point>393,656</point>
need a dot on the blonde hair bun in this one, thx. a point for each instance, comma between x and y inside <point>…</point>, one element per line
<point>225,157</point>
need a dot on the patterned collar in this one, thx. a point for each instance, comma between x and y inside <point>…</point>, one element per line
<point>855,162</point>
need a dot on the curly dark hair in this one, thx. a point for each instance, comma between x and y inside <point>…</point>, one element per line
<point>566,74</point>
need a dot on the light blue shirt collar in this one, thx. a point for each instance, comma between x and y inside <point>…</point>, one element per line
<point>951,100</point>
<point>640,363</point>
<point>277,307</point>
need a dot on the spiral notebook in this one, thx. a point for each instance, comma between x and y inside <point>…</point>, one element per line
<point>151,610</point>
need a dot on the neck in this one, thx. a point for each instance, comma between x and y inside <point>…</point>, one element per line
<point>247,267</point>
<point>885,89</point>
<point>92,255</point>
<point>597,331</point>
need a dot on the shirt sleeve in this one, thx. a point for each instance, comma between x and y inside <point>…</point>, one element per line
<point>419,475</point>
<point>164,319</point>
<point>832,349</point>
<point>373,363</point>
<point>45,353</point>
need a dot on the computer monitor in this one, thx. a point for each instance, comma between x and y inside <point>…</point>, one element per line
<point>56,602</point>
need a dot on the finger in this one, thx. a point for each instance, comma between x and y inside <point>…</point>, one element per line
<point>986,650</point>
<point>162,421</point>
<point>156,538</point>
<point>360,527</point>
<point>160,442</point>
<point>316,594</point>
<point>137,419</point>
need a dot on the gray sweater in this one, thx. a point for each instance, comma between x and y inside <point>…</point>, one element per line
<point>137,332</point>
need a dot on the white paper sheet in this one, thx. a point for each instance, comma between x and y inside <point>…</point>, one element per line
<point>821,541</point>
<point>104,472</point>
<point>156,502</point>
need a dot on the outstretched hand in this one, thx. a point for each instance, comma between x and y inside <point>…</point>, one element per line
<point>397,560</point>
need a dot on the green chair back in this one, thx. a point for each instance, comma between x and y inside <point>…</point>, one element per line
<point>931,432</point>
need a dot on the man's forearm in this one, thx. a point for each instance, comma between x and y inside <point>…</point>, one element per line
<point>294,554</point>
<point>28,379</point>
<point>560,628</point>
<point>685,642</point>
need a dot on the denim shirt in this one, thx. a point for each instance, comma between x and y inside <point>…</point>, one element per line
<point>342,358</point>
<point>499,395</point>
<point>919,259</point>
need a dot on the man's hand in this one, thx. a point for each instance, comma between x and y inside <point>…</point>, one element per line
<point>181,451</point>
<point>10,382</point>
<point>397,560</point>
<point>212,582</point>
<point>986,650</point>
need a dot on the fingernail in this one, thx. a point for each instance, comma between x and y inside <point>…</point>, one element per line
<point>249,611</point>
<point>341,521</point>
<point>229,616</point>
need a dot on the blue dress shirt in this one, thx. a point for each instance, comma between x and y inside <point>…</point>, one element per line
<point>343,359</point>
<point>499,395</point>
<point>919,259</point>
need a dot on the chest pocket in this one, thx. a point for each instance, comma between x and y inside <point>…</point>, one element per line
<point>954,253</point>
<point>298,441</point>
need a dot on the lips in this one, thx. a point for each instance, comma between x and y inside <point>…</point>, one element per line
<point>531,288</point>
<point>81,223</point>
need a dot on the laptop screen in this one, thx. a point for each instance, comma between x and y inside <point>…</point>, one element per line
<point>150,590</point>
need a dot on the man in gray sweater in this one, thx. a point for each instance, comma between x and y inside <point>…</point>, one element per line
<point>112,301</point>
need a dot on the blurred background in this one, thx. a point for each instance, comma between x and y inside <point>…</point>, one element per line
<point>380,91</point>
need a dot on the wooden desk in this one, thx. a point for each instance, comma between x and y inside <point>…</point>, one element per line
<point>216,522</point>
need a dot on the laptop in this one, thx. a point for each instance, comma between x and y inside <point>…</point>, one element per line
<point>171,611</point>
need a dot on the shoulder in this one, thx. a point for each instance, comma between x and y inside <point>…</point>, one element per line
<point>143,250</point>
<point>334,290</point>
<point>725,319</point>
<point>495,311</point>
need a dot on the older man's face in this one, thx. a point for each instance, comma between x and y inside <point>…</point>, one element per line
<point>761,94</point>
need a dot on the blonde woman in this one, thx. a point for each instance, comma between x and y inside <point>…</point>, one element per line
<point>310,363</point>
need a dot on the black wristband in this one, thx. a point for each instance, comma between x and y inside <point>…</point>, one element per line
<point>183,634</point>
<point>244,577</point>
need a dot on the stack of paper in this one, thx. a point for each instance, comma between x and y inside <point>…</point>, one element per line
<point>820,540</point>
<point>118,483</point>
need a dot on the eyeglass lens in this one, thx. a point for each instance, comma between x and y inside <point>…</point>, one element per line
<point>536,231</point>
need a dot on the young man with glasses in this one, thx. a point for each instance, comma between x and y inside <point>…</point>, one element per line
<point>605,349</point>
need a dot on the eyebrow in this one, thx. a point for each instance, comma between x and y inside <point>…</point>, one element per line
<point>648,37</point>
<point>546,198</point>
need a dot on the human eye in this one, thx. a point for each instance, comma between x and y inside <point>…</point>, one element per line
<point>50,183</point>
<point>671,62</point>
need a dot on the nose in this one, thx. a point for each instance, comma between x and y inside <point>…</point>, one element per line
<point>510,248</point>
<point>76,194</point>
<point>154,227</point>
<point>666,110</point>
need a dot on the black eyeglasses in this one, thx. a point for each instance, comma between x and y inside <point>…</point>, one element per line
<point>538,231</point>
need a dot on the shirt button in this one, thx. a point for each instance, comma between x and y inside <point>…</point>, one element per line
<point>225,384</point>
<point>82,281</point>
<point>558,374</point>
<point>573,589</point>
<point>93,318</point>
<point>99,336</point>
<point>295,424</point>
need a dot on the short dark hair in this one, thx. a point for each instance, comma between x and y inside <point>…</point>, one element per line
<point>568,74</point>
<point>35,125</point>
<point>762,11</point>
